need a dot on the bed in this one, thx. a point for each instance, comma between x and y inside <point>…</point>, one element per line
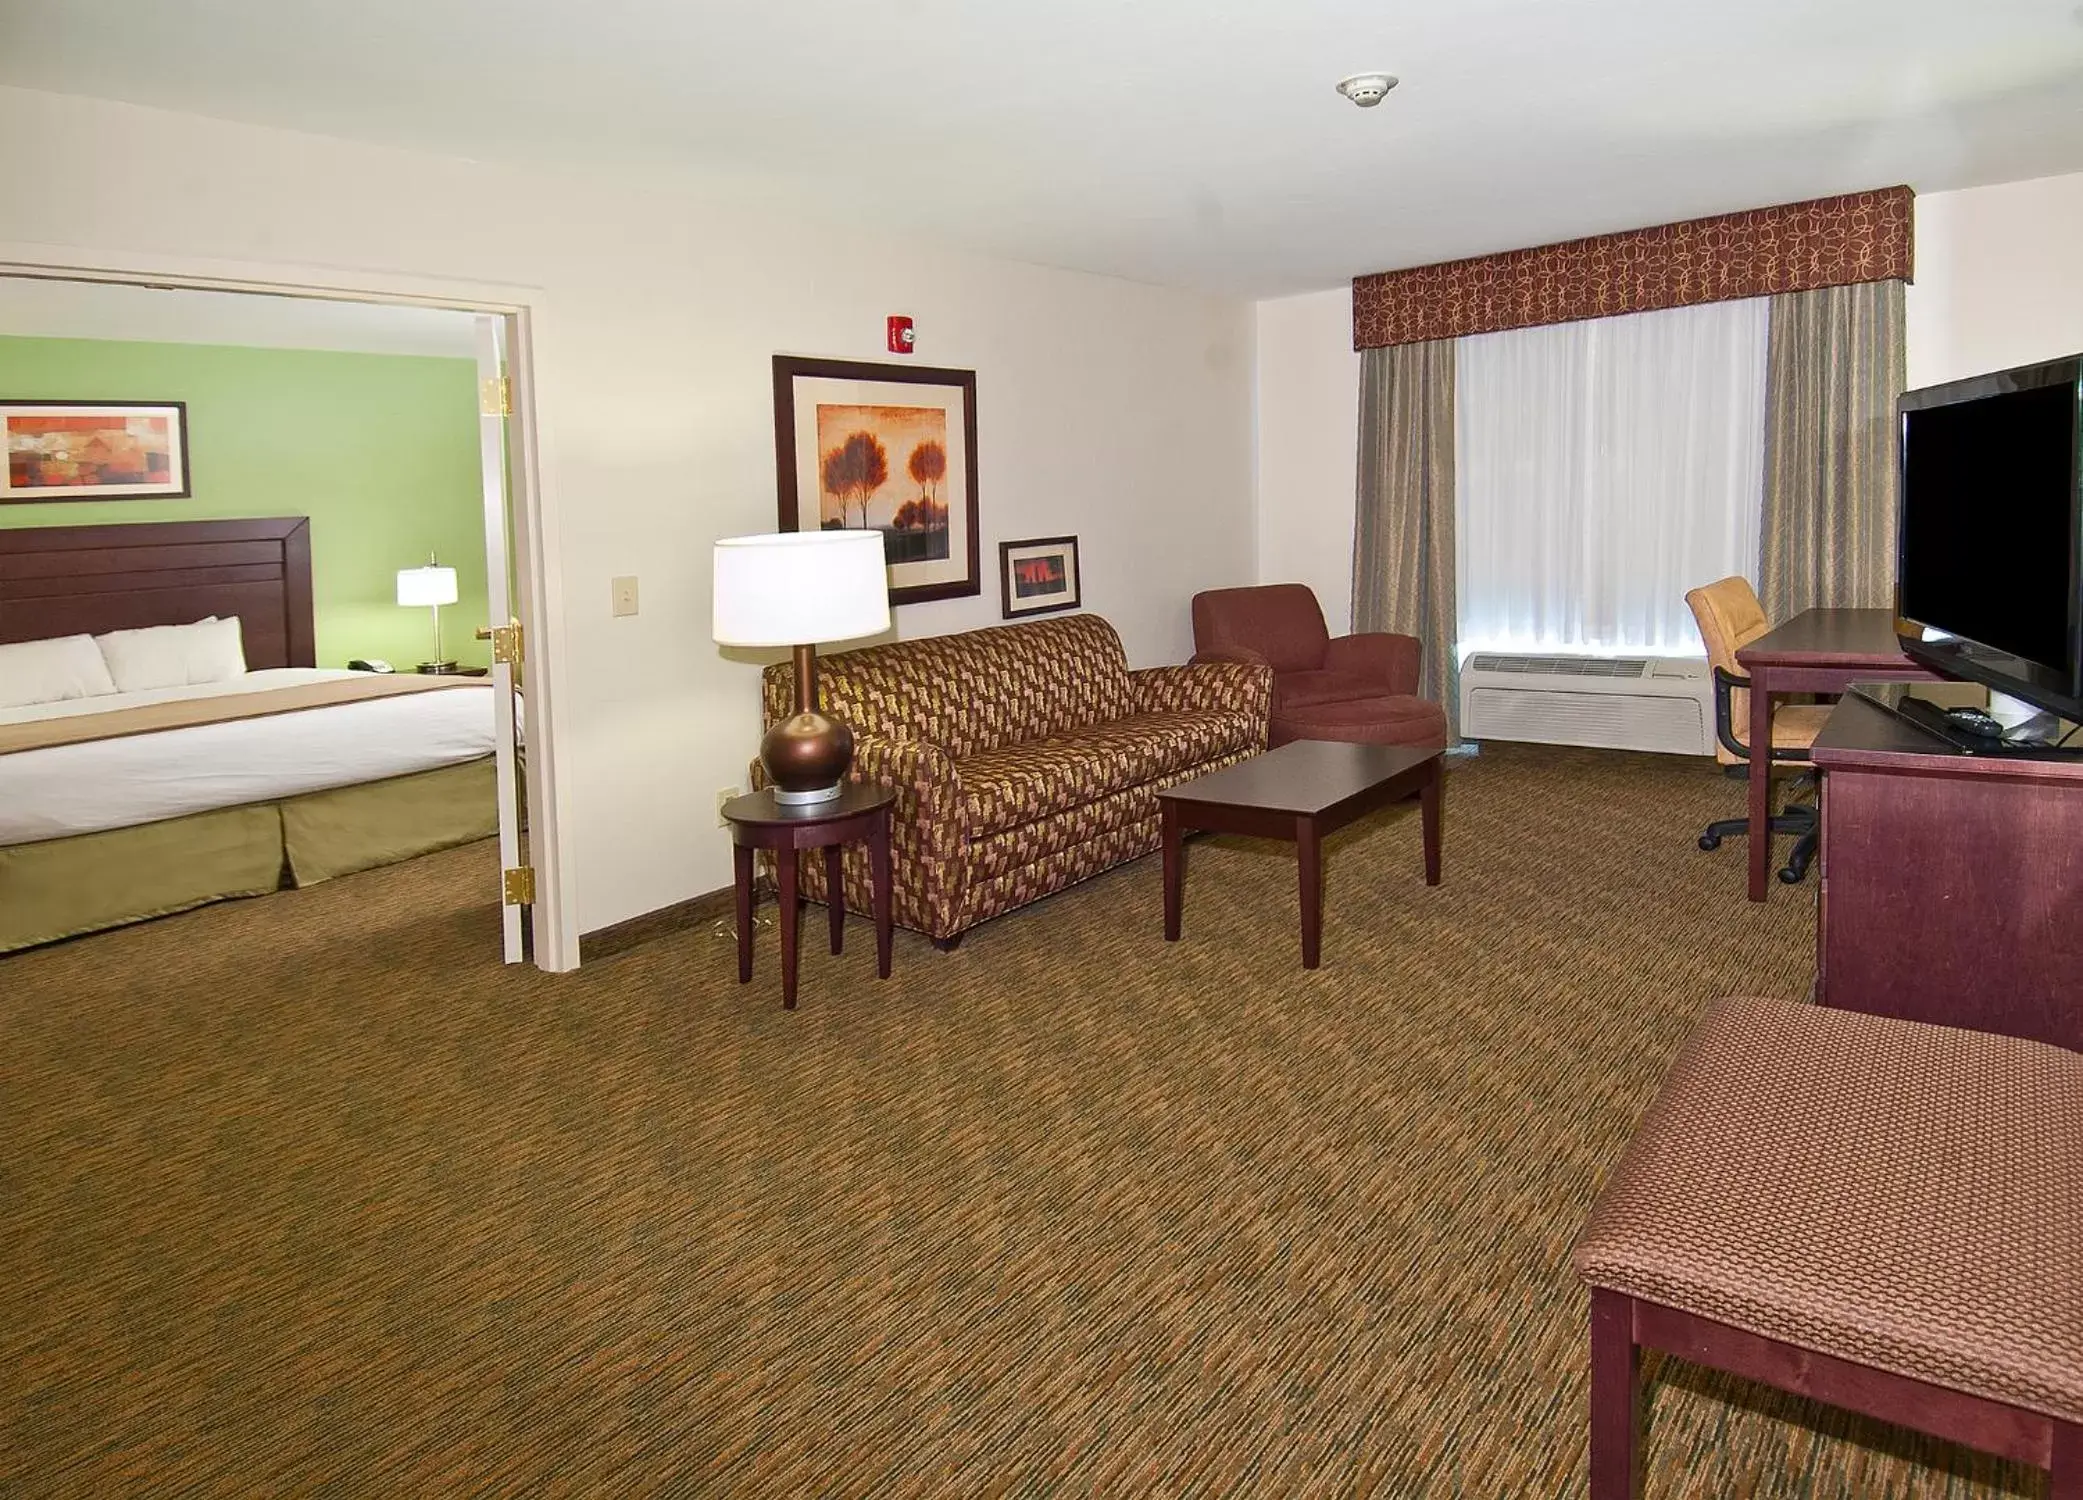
<point>231,789</point>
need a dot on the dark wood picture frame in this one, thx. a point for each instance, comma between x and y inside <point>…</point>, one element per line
<point>789,462</point>
<point>1008,592</point>
<point>178,486</point>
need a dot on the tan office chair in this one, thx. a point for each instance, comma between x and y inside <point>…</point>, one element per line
<point>1730,618</point>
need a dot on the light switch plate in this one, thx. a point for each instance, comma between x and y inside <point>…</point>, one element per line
<point>624,594</point>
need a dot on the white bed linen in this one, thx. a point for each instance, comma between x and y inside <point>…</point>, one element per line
<point>86,788</point>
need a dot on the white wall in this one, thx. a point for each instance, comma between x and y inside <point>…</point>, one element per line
<point>37,308</point>
<point>1116,411</point>
<point>1308,412</point>
<point>1999,281</point>
<point>1997,284</point>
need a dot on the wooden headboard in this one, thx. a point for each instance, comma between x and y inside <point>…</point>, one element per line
<point>74,580</point>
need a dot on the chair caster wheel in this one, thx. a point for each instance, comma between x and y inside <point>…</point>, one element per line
<point>1710,841</point>
<point>1788,875</point>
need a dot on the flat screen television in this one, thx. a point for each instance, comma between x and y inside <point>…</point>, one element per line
<point>1989,540</point>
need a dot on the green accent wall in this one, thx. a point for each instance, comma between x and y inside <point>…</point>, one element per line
<point>379,450</point>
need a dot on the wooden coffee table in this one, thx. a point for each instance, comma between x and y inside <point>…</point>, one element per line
<point>1301,791</point>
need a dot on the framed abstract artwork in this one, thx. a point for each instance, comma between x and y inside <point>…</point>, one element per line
<point>1039,576</point>
<point>94,450</point>
<point>889,448</point>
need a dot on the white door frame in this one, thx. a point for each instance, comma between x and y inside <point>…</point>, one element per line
<point>539,605</point>
<point>488,334</point>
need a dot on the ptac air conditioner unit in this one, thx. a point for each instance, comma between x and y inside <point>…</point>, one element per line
<point>1615,702</point>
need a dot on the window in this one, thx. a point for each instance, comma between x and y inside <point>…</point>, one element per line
<point>1602,469</point>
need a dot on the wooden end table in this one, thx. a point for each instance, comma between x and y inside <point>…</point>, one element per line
<point>1301,792</point>
<point>859,812</point>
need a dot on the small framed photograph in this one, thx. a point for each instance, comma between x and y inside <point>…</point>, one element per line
<point>889,448</point>
<point>1039,576</point>
<point>94,450</point>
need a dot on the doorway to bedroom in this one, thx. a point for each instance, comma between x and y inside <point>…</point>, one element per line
<point>283,523</point>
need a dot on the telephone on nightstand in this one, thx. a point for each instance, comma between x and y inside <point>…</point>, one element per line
<point>373,664</point>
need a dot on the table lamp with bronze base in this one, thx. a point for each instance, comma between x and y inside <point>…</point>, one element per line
<point>806,754</point>
<point>429,588</point>
<point>794,589</point>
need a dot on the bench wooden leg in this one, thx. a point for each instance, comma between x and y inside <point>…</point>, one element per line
<point>1622,1326</point>
<point>2065,1468</point>
<point>1615,1370</point>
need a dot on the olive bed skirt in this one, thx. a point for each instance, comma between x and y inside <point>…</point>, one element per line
<point>93,881</point>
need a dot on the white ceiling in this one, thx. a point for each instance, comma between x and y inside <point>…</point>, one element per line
<point>1195,142</point>
<point>35,307</point>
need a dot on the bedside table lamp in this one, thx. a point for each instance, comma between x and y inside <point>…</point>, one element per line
<point>429,588</point>
<point>796,588</point>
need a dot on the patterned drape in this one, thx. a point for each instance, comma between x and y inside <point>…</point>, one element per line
<point>1403,523</point>
<point>1795,247</point>
<point>1835,365</point>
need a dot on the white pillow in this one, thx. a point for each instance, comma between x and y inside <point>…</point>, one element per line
<point>162,656</point>
<point>52,671</point>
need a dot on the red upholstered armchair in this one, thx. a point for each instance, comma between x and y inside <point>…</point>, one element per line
<point>1355,687</point>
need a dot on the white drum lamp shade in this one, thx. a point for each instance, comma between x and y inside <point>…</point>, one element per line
<point>426,586</point>
<point>797,588</point>
<point>429,588</point>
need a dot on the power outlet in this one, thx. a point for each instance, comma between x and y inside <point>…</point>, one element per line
<point>623,593</point>
<point>723,795</point>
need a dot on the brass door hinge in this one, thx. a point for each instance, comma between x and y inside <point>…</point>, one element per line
<point>495,396</point>
<point>519,885</point>
<point>506,644</point>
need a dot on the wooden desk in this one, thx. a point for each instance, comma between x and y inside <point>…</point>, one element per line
<point>1951,882</point>
<point>1817,651</point>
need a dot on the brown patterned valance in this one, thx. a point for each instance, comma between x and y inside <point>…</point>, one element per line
<point>1795,247</point>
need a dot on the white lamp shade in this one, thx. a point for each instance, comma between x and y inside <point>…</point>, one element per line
<point>425,586</point>
<point>797,588</point>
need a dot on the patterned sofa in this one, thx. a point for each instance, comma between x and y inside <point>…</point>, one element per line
<point>1025,757</point>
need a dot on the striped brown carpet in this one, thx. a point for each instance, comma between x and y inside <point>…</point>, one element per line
<point>306,1196</point>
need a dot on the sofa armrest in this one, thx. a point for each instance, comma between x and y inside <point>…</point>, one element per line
<point>1242,654</point>
<point>923,775</point>
<point>1392,660</point>
<point>1219,686</point>
<point>929,832</point>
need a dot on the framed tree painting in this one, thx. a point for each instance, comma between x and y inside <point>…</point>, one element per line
<point>1039,576</point>
<point>94,450</point>
<point>889,448</point>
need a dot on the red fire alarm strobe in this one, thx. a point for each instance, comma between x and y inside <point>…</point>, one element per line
<point>901,336</point>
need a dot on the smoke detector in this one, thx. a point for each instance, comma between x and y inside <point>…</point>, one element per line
<point>1367,89</point>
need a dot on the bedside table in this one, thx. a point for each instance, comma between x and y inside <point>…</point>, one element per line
<point>860,811</point>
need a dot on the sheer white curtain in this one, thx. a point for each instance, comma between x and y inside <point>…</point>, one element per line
<point>1604,468</point>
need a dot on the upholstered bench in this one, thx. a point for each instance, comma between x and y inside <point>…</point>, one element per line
<point>1880,1214</point>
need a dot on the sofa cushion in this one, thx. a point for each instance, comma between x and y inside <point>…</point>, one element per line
<point>974,691</point>
<point>996,860</point>
<point>1016,784</point>
<point>1301,689</point>
<point>1396,719</point>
